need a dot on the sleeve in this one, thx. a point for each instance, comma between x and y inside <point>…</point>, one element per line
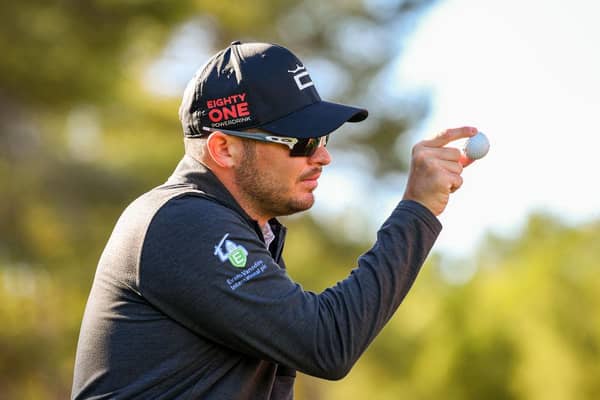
<point>202,265</point>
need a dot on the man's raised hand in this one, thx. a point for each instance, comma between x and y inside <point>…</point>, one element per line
<point>435,170</point>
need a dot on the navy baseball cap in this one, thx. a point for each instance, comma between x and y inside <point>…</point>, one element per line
<point>260,85</point>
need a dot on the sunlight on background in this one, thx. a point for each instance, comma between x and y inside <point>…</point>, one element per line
<point>526,74</point>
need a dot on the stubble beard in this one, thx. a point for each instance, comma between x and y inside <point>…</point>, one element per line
<point>262,191</point>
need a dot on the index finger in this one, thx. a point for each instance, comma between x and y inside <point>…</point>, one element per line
<point>450,135</point>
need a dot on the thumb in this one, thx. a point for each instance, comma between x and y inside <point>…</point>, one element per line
<point>464,160</point>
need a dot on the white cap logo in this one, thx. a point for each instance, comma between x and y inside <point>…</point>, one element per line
<point>299,73</point>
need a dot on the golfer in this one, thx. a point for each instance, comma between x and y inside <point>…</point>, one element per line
<point>191,298</point>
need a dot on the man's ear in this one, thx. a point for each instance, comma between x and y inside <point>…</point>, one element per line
<point>223,149</point>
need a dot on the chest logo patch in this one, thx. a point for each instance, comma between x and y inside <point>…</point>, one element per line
<point>227,250</point>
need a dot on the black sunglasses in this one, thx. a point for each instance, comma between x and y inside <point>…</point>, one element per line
<point>304,147</point>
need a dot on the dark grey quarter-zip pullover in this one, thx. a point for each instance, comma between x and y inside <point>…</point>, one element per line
<point>189,303</point>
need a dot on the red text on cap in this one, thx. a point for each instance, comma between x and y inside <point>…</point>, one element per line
<point>225,108</point>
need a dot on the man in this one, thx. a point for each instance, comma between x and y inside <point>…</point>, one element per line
<point>191,299</point>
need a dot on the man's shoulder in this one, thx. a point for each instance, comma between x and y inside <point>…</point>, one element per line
<point>143,210</point>
<point>192,208</point>
<point>180,211</point>
<point>195,205</point>
<point>152,201</point>
<point>191,225</point>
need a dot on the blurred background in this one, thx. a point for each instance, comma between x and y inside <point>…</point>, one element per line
<point>507,304</point>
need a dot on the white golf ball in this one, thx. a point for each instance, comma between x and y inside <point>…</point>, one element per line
<point>477,146</point>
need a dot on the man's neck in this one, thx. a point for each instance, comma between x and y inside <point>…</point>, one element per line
<point>227,179</point>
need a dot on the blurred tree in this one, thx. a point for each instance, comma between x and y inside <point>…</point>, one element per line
<point>524,327</point>
<point>81,135</point>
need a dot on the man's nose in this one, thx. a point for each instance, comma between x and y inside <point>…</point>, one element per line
<point>321,156</point>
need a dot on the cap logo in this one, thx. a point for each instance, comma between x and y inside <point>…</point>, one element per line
<point>299,73</point>
<point>228,110</point>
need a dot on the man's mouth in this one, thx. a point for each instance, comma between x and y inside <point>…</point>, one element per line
<point>310,179</point>
<point>311,175</point>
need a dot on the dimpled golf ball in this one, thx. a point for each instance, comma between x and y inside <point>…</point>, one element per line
<point>477,146</point>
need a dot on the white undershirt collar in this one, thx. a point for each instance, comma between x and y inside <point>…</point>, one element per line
<point>268,234</point>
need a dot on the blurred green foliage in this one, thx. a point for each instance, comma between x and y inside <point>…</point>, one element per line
<point>81,135</point>
<point>524,326</point>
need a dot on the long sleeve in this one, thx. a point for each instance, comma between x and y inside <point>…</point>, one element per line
<point>203,266</point>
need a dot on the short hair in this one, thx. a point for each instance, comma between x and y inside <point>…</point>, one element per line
<point>195,147</point>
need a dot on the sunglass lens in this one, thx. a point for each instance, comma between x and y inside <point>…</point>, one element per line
<point>308,147</point>
<point>304,148</point>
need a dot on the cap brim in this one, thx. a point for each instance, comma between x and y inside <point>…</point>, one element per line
<point>318,119</point>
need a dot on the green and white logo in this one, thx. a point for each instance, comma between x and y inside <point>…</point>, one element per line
<point>236,254</point>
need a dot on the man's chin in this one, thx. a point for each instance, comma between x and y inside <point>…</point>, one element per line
<point>303,204</point>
